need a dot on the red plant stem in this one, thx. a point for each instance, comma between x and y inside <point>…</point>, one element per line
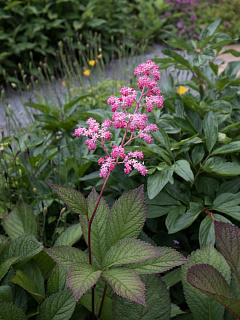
<point>101,305</point>
<point>209,213</point>
<point>89,235</point>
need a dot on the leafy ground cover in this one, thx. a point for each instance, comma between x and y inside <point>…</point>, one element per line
<point>189,198</point>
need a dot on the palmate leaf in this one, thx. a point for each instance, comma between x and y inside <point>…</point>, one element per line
<point>19,221</point>
<point>127,251</point>
<point>72,198</point>
<point>81,277</point>
<point>171,259</point>
<point>228,240</point>
<point>65,256</point>
<point>59,306</point>
<point>127,284</point>
<point>157,302</point>
<point>202,306</point>
<point>127,217</point>
<point>210,281</point>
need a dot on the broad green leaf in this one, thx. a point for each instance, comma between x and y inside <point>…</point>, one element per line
<point>206,185</point>
<point>86,301</point>
<point>31,279</point>
<point>228,240</point>
<point>210,127</point>
<point>206,230</point>
<point>19,221</point>
<point>72,198</point>
<point>198,154</point>
<point>65,256</point>
<point>69,236</point>
<point>210,281</point>
<point>177,57</point>
<point>171,259</point>
<point>45,109</point>
<point>8,311</point>
<point>127,217</point>
<point>57,280</point>
<point>202,306</point>
<point>157,181</point>
<point>127,251</point>
<point>172,277</point>
<point>5,265</point>
<point>127,284</point>
<point>156,295</point>
<point>6,294</point>
<point>24,247</point>
<point>182,168</point>
<point>81,277</point>
<point>228,203</point>
<point>178,219</point>
<point>45,263</point>
<point>175,310</point>
<point>220,167</point>
<point>161,136</point>
<point>99,225</point>
<point>59,306</point>
<point>227,148</point>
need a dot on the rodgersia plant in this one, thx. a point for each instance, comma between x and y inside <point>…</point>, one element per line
<point>115,257</point>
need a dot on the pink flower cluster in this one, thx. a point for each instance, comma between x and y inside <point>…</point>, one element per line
<point>135,123</point>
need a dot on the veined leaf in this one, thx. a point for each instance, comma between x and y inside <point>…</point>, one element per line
<point>127,284</point>
<point>156,295</point>
<point>81,277</point>
<point>210,281</point>
<point>202,306</point>
<point>228,240</point>
<point>183,169</point>
<point>69,236</point>
<point>8,311</point>
<point>206,230</point>
<point>19,221</point>
<point>6,294</point>
<point>45,263</point>
<point>127,217</point>
<point>210,127</point>
<point>57,280</point>
<point>72,198</point>
<point>221,167</point>
<point>99,225</point>
<point>178,219</point>
<point>59,306</point>
<point>228,203</point>
<point>127,251</point>
<point>157,181</point>
<point>65,256</point>
<point>5,265</point>
<point>171,259</point>
<point>227,148</point>
<point>31,279</point>
<point>24,247</point>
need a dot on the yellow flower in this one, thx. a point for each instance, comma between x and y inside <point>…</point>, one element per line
<point>87,72</point>
<point>182,90</point>
<point>92,63</point>
<point>99,56</point>
<point>64,84</point>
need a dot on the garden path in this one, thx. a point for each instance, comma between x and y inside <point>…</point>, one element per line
<point>16,99</point>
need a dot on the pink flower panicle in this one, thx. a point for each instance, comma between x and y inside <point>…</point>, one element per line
<point>135,123</point>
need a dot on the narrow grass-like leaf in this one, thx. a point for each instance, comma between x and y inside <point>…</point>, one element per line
<point>171,259</point>
<point>81,277</point>
<point>157,302</point>
<point>19,221</point>
<point>127,251</point>
<point>127,217</point>
<point>127,284</point>
<point>202,306</point>
<point>8,311</point>
<point>228,240</point>
<point>69,236</point>
<point>72,198</point>
<point>65,256</point>
<point>59,306</point>
<point>210,281</point>
<point>99,225</point>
